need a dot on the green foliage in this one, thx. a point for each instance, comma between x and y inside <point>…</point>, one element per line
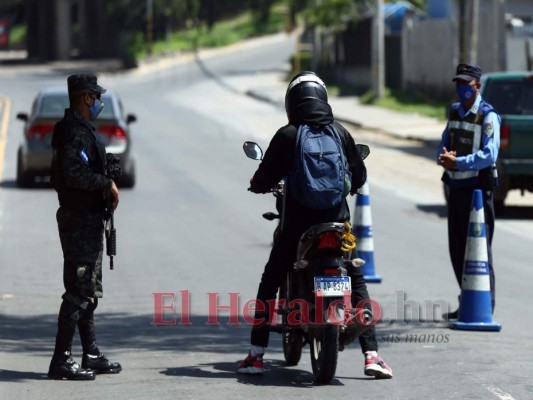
<point>126,14</point>
<point>407,102</point>
<point>17,35</point>
<point>132,14</point>
<point>221,33</point>
<point>331,14</point>
<point>301,61</point>
<point>421,4</point>
<point>336,14</point>
<point>260,10</point>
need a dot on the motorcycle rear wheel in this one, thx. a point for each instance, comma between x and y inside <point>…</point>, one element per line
<point>292,341</point>
<point>324,343</point>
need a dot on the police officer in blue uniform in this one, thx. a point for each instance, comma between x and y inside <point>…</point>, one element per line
<point>468,151</point>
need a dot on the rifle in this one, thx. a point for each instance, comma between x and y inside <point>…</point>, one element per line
<point>113,171</point>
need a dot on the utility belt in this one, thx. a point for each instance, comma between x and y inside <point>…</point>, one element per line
<point>82,201</point>
<point>485,179</point>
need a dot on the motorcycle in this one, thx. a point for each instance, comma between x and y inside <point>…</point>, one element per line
<point>314,298</point>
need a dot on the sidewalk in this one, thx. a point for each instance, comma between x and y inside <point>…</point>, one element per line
<point>268,87</point>
<point>271,88</point>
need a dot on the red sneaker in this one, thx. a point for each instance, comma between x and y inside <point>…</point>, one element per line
<point>252,365</point>
<point>376,367</point>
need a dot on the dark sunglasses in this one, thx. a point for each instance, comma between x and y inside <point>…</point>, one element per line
<point>95,95</point>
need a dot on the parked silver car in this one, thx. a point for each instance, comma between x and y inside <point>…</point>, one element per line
<point>35,153</point>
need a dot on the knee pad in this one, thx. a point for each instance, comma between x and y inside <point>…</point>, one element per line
<point>87,314</point>
<point>69,314</point>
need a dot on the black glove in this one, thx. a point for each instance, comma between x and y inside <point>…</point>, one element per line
<point>112,166</point>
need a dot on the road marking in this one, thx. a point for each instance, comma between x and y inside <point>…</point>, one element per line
<point>500,393</point>
<point>5,109</point>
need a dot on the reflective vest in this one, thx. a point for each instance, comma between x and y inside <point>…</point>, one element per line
<point>466,138</point>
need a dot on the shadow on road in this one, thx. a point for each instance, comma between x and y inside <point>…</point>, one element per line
<point>36,334</point>
<point>509,213</point>
<point>124,332</point>
<point>516,213</point>
<point>12,184</point>
<point>276,374</point>
<point>440,210</point>
<point>7,375</point>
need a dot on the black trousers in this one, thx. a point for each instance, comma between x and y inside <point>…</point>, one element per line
<point>459,207</point>
<point>81,236</point>
<point>282,257</point>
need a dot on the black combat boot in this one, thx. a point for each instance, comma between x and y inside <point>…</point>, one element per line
<point>100,364</point>
<point>63,366</point>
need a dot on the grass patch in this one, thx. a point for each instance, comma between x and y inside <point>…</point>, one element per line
<point>408,103</point>
<point>223,33</point>
<point>17,36</point>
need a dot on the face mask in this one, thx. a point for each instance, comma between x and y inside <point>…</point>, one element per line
<point>465,92</point>
<point>96,108</point>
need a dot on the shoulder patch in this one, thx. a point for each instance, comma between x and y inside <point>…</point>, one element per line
<point>84,156</point>
<point>488,130</point>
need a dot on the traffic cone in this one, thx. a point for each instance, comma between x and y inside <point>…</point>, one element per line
<point>475,309</point>
<point>362,229</point>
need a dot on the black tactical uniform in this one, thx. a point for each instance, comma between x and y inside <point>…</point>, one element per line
<point>78,175</point>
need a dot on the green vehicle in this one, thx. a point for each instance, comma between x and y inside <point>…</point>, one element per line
<point>511,94</point>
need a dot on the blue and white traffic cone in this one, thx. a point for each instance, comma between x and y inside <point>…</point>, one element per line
<point>362,229</point>
<point>475,307</point>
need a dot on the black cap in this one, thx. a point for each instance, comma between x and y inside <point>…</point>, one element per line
<point>467,72</point>
<point>83,83</point>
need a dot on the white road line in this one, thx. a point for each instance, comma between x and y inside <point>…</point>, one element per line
<point>500,393</point>
<point>5,109</point>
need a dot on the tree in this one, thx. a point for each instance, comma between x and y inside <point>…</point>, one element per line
<point>261,10</point>
<point>333,15</point>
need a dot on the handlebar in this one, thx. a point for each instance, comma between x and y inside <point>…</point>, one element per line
<point>277,190</point>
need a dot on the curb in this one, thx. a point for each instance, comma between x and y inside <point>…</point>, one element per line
<point>427,142</point>
<point>266,99</point>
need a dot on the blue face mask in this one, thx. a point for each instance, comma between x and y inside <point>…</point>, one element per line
<point>465,92</point>
<point>96,108</point>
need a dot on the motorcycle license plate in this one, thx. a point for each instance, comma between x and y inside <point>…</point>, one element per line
<point>332,286</point>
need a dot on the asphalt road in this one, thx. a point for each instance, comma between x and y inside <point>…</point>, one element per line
<point>191,229</point>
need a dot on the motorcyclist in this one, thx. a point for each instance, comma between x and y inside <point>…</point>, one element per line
<point>306,101</point>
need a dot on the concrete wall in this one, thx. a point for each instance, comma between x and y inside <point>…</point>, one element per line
<point>430,49</point>
<point>519,54</point>
<point>427,65</point>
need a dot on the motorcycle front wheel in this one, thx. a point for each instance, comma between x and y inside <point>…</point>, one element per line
<point>324,343</point>
<point>292,347</point>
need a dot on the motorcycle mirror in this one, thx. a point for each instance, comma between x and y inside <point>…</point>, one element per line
<point>252,150</point>
<point>363,150</point>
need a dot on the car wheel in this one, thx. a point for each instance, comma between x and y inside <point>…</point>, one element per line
<point>128,180</point>
<point>24,179</point>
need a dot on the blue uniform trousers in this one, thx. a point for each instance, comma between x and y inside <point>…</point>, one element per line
<point>459,207</point>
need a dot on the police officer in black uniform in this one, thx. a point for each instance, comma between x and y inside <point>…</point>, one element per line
<point>468,152</point>
<point>78,175</point>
